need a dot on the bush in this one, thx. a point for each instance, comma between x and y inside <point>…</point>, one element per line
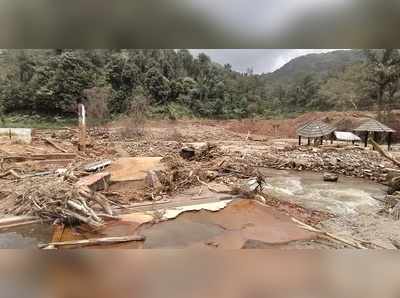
<point>178,111</point>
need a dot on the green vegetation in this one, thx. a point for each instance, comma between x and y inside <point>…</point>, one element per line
<point>174,84</point>
<point>18,120</point>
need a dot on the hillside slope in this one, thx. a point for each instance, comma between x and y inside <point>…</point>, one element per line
<point>317,64</point>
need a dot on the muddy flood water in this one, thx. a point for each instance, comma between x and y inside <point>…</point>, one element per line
<point>347,196</point>
<point>241,221</point>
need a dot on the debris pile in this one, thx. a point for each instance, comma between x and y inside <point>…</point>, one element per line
<point>51,180</point>
<point>350,161</point>
<point>58,199</point>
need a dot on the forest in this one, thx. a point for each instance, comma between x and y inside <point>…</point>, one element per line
<point>175,84</point>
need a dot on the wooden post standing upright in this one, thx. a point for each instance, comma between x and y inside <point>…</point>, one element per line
<point>82,127</point>
<point>389,140</point>
<point>366,139</point>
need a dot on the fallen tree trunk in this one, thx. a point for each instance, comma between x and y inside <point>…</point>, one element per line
<point>51,143</point>
<point>384,153</point>
<point>95,241</point>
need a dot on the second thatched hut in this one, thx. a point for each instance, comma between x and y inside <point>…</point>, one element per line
<point>377,129</point>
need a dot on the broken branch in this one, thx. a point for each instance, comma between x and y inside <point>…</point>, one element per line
<point>51,143</point>
<point>327,234</point>
<point>95,241</point>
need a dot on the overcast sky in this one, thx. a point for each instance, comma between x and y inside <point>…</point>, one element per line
<point>261,61</point>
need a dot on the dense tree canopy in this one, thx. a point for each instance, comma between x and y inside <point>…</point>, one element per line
<point>175,83</point>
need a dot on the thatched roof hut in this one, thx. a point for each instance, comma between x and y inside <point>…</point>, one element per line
<point>372,125</point>
<point>315,129</point>
<point>375,127</point>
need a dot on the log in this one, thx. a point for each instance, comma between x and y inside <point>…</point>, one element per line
<point>102,201</point>
<point>327,234</point>
<point>54,145</point>
<point>384,153</point>
<point>17,219</point>
<point>87,220</point>
<point>395,243</point>
<point>94,241</point>
<point>12,173</point>
<point>20,221</point>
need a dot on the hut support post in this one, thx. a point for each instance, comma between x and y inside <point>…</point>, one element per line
<point>375,138</point>
<point>389,140</point>
<point>299,140</point>
<point>366,139</point>
<point>322,140</point>
<point>308,142</point>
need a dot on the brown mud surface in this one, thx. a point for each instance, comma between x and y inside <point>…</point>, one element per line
<point>238,153</point>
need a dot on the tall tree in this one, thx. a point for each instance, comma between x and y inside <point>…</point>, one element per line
<point>383,72</point>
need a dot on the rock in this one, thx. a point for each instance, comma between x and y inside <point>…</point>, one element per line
<point>330,177</point>
<point>333,161</point>
<point>153,181</point>
<point>211,175</point>
<point>190,150</point>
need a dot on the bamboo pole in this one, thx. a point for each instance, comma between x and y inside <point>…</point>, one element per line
<point>94,241</point>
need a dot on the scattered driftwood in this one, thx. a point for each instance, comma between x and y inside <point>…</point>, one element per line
<point>54,145</point>
<point>40,157</point>
<point>17,221</point>
<point>395,212</point>
<point>95,241</point>
<point>208,186</point>
<point>307,227</point>
<point>59,198</point>
<point>384,153</point>
<point>10,172</point>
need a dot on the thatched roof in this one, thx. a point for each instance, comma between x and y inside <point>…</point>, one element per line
<point>315,129</point>
<point>374,126</point>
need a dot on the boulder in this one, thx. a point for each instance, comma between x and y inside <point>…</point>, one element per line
<point>330,177</point>
<point>190,151</point>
